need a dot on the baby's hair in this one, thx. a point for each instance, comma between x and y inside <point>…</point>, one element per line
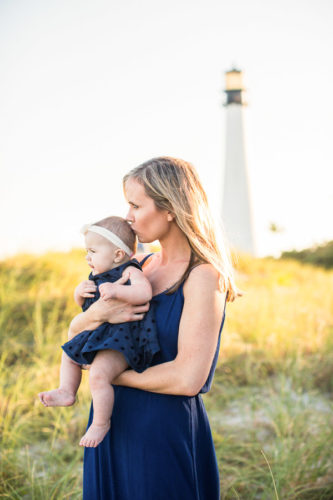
<point>121,228</point>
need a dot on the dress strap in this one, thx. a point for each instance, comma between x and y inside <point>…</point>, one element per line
<point>133,263</point>
<point>225,303</point>
<point>144,259</point>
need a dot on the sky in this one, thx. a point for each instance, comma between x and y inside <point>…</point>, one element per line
<point>90,89</point>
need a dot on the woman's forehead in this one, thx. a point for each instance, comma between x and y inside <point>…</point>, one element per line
<point>134,190</point>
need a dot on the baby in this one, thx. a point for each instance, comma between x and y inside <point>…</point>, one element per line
<point>109,349</point>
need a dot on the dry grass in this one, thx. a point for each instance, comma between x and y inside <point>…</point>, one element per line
<point>272,391</point>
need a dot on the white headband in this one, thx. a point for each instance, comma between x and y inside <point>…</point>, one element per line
<point>109,235</point>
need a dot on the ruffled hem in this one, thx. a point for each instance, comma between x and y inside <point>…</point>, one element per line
<point>138,343</point>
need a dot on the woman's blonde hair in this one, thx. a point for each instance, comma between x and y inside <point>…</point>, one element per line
<point>174,185</point>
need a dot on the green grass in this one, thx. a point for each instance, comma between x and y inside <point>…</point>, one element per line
<point>40,456</point>
<point>270,406</point>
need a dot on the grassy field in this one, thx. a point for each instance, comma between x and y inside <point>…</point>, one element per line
<point>270,406</point>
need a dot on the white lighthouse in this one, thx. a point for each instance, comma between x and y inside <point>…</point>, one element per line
<point>236,210</point>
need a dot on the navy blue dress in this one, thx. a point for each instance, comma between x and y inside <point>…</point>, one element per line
<point>159,446</point>
<point>136,340</point>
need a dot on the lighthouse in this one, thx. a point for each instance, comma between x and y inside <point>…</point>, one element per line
<point>236,209</point>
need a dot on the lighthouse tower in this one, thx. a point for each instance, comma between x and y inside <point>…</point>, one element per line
<point>236,210</point>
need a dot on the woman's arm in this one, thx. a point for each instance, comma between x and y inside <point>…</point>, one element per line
<point>106,311</point>
<point>197,340</point>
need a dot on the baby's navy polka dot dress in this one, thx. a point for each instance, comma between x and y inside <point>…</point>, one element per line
<point>136,340</point>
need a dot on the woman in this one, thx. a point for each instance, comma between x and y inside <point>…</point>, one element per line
<point>159,446</point>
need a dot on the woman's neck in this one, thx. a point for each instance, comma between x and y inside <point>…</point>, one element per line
<point>174,247</point>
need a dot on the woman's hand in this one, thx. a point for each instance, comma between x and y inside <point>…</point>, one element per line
<point>107,311</point>
<point>118,311</point>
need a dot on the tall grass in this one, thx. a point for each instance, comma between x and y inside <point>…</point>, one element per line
<point>40,456</point>
<point>272,397</point>
<point>270,406</point>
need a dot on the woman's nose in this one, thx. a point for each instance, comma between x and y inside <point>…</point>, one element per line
<point>129,216</point>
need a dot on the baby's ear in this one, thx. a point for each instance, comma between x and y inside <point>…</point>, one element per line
<point>119,255</point>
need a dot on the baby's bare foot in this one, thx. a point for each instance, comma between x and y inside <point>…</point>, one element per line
<point>57,397</point>
<point>94,435</point>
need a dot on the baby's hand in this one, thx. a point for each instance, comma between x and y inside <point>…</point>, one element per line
<point>85,289</point>
<point>108,290</point>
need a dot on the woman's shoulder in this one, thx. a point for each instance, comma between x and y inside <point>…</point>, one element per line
<point>202,290</point>
<point>203,277</point>
<point>203,270</point>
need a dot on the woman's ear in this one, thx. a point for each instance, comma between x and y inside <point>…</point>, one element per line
<point>119,255</point>
<point>170,217</point>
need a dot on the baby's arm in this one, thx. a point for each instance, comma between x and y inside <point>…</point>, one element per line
<point>107,311</point>
<point>84,290</point>
<point>138,292</point>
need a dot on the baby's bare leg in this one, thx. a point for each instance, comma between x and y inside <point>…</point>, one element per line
<point>107,365</point>
<point>70,379</point>
<point>71,331</point>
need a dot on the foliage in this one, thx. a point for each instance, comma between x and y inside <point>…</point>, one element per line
<point>320,255</point>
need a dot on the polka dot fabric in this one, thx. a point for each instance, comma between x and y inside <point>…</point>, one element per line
<point>136,340</point>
